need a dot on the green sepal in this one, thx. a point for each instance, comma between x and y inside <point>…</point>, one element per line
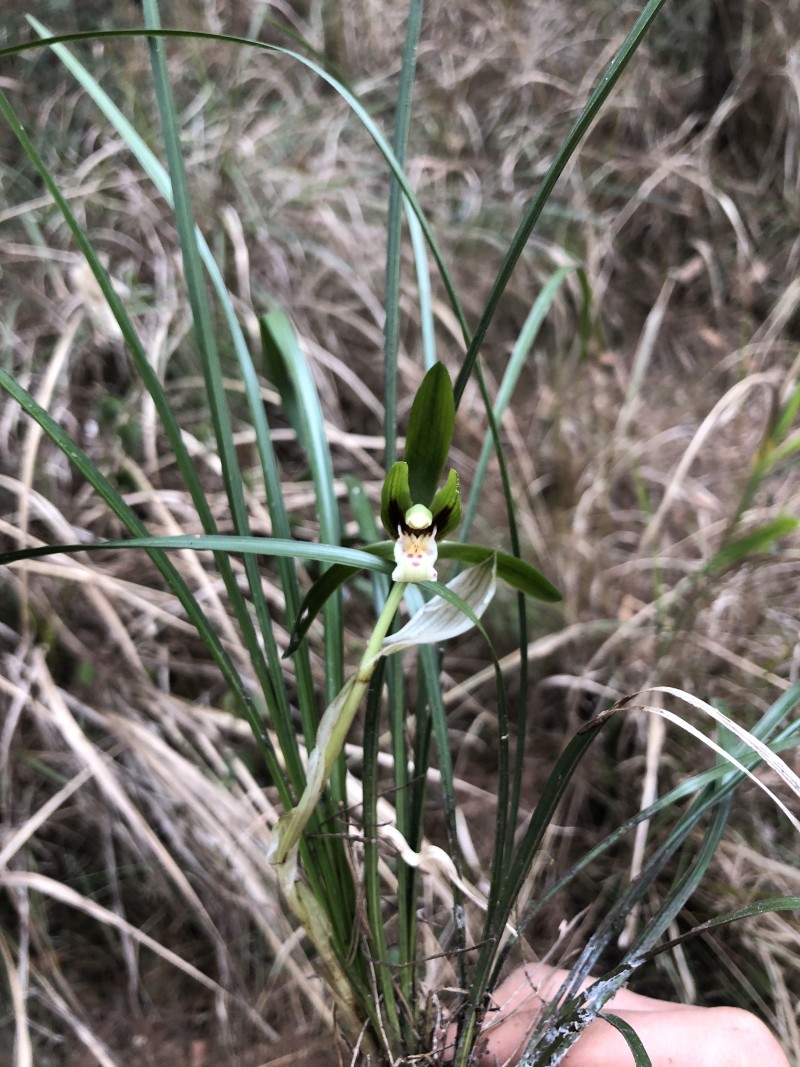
<point>395,498</point>
<point>446,506</point>
<point>514,572</point>
<point>430,431</point>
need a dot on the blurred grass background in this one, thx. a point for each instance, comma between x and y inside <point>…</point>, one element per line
<point>632,464</point>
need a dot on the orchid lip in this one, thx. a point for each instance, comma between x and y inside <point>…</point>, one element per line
<point>415,556</point>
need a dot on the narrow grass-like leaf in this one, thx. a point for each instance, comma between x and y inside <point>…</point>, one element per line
<point>347,95</point>
<point>724,776</point>
<point>537,206</point>
<point>788,414</point>
<point>280,523</point>
<point>717,796</point>
<point>298,392</point>
<point>285,357</point>
<point>560,1026</point>
<point>362,509</point>
<point>502,897</point>
<point>392,671</point>
<point>632,1039</point>
<point>516,363</point>
<point>143,365</point>
<point>428,669</point>
<point>246,546</point>
<point>402,119</point>
<point>266,667</point>
<point>186,465</point>
<point>785,452</point>
<point>372,883</point>
<point>407,801</point>
<point>339,900</point>
<point>760,540</point>
<point>684,886</point>
<point>174,580</point>
<point>410,780</point>
<point>153,386</point>
<point>506,819</point>
<point>159,177</point>
<point>765,906</point>
<point>426,316</point>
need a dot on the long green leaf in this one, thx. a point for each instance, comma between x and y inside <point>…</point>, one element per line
<point>372,881</point>
<point>292,375</point>
<point>516,363</point>
<point>428,666</point>
<point>632,1039</point>
<point>269,676</point>
<point>761,539</point>
<point>560,1025</point>
<point>246,546</point>
<point>350,99</point>
<point>425,295</point>
<point>402,119</point>
<point>729,778</point>
<point>765,906</point>
<point>565,153</point>
<point>264,654</point>
<point>128,517</point>
<point>280,523</point>
<point>266,662</point>
<point>502,901</point>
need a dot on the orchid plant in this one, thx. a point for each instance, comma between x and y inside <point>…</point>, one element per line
<point>415,514</point>
<point>330,880</point>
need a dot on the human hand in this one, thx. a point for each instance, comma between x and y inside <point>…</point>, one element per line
<point>674,1035</point>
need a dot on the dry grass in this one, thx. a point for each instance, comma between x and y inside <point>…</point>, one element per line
<point>129,793</point>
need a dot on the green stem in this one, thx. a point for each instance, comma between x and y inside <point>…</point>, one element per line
<point>331,735</point>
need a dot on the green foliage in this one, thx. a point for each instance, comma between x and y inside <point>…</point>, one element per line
<point>376,986</point>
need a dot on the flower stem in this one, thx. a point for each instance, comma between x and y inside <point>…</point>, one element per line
<point>333,729</point>
<point>331,735</point>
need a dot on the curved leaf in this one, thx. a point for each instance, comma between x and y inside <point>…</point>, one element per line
<point>354,559</point>
<point>758,907</point>
<point>537,205</point>
<point>516,363</point>
<point>634,1042</point>
<point>761,539</point>
<point>57,42</point>
<point>292,376</point>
